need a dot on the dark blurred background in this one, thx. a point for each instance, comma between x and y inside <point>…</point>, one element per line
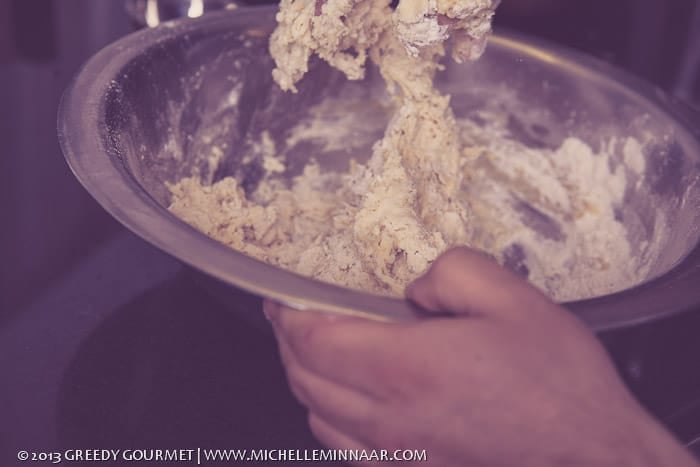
<point>104,340</point>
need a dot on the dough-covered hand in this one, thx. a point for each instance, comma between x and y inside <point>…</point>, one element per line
<point>421,23</point>
<point>512,380</point>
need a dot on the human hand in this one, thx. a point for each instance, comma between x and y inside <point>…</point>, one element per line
<point>513,380</point>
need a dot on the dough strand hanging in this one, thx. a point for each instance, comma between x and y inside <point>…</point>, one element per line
<point>431,181</point>
<point>416,166</point>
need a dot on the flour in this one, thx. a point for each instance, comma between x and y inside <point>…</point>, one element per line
<point>547,214</point>
<point>395,230</point>
<point>560,212</point>
<point>431,182</point>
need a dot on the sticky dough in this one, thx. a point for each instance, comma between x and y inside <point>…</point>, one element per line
<point>415,168</point>
<point>394,215</point>
<point>343,32</point>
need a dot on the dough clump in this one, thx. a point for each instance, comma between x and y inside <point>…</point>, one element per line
<point>426,186</point>
<point>408,210</point>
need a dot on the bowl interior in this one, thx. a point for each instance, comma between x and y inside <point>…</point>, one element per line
<point>198,103</point>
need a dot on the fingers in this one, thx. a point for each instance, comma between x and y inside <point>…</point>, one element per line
<point>334,438</point>
<point>330,436</point>
<point>347,351</point>
<point>340,404</point>
<point>467,282</point>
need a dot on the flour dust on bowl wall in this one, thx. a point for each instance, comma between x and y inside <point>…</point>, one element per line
<point>563,169</point>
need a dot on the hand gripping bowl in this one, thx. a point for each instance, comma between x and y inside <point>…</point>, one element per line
<point>143,111</point>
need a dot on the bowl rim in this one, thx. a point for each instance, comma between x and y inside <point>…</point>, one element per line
<point>81,117</point>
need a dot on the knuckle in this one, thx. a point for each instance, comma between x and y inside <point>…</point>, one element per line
<point>401,381</point>
<point>445,265</point>
<point>311,342</point>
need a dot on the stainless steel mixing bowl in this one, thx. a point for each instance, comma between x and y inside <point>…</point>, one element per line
<point>144,110</point>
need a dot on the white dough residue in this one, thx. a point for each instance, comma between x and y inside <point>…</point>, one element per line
<point>428,184</point>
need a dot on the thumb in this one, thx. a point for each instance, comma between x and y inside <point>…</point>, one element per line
<point>464,281</point>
